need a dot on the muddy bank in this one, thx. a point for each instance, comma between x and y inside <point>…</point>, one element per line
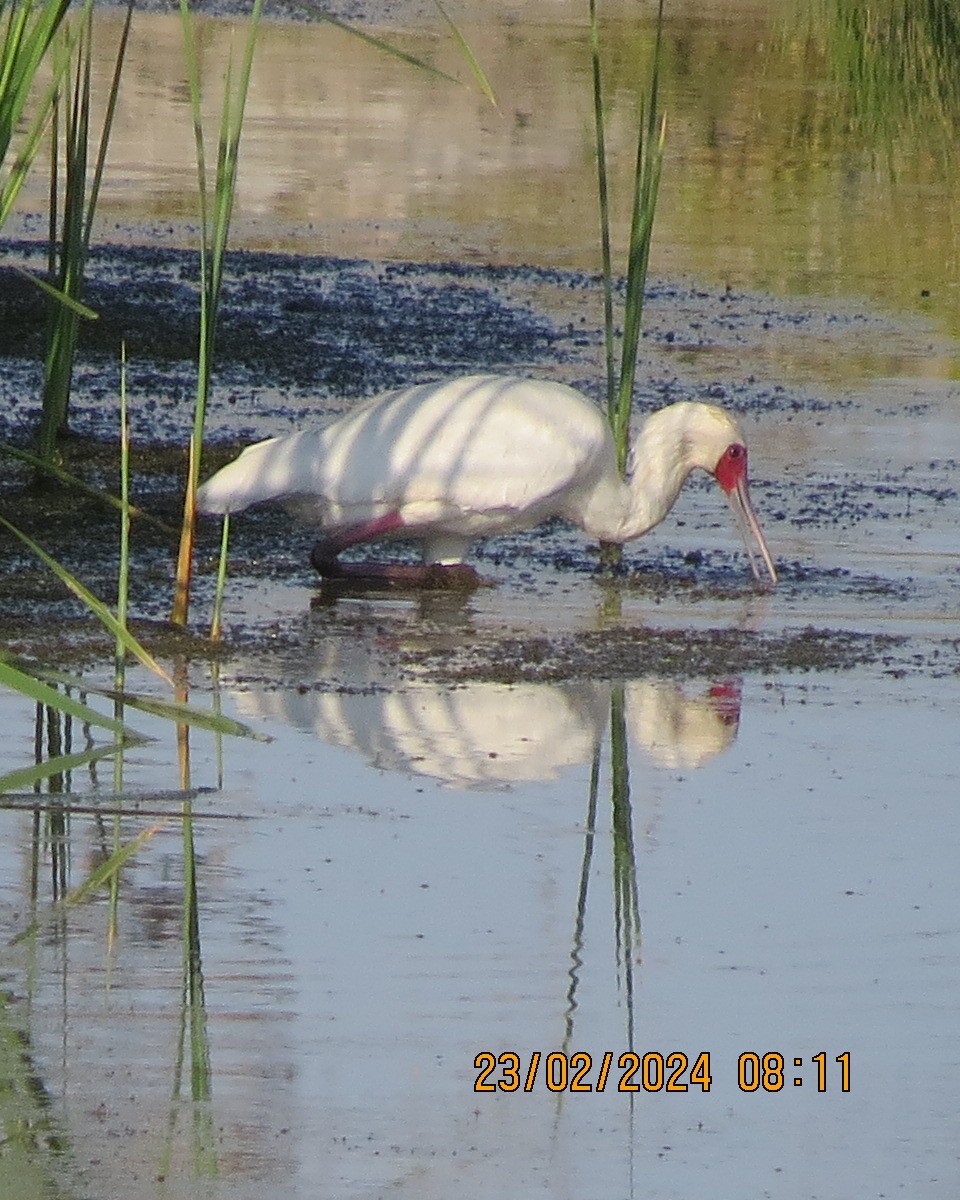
<point>396,14</point>
<point>302,337</point>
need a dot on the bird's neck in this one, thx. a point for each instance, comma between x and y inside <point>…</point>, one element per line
<point>660,461</point>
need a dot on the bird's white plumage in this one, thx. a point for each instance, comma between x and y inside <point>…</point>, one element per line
<point>465,458</point>
<point>474,454</point>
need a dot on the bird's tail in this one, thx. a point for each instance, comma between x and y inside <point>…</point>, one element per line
<point>266,470</point>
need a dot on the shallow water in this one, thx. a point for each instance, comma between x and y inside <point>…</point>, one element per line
<point>780,174</point>
<point>411,872</point>
<point>366,931</point>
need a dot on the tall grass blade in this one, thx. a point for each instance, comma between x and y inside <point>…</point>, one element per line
<point>646,183</point>
<point>69,480</point>
<point>468,55</point>
<point>107,129</point>
<point>79,209</point>
<point>377,43</point>
<point>603,197</point>
<point>44,693</point>
<point>97,878</point>
<point>168,710</point>
<point>26,776</point>
<point>123,575</point>
<point>649,164</point>
<point>188,714</point>
<point>60,297</point>
<point>216,623</point>
<point>97,607</point>
<point>214,234</point>
<point>29,33</point>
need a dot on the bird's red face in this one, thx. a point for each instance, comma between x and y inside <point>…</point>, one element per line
<point>731,471</point>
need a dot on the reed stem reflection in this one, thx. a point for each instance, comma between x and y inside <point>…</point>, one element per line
<point>626,904</point>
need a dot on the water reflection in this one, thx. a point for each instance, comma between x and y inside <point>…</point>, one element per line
<point>626,896</point>
<point>138,955</point>
<point>895,63</point>
<point>83,842</point>
<point>490,735</point>
<point>769,180</point>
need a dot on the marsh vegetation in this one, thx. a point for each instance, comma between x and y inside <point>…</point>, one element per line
<point>179,991</point>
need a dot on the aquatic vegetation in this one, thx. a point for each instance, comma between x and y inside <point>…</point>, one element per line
<point>28,32</point>
<point>214,235</point>
<point>895,65</point>
<point>70,246</point>
<point>646,184</point>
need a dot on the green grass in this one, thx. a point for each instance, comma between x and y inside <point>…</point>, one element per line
<point>100,610</point>
<point>646,184</point>
<point>895,62</point>
<point>215,214</point>
<point>70,244</point>
<point>28,31</point>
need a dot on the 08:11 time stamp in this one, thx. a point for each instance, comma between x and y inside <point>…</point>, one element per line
<point>766,1071</point>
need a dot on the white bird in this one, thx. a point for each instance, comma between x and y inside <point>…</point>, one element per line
<point>446,463</point>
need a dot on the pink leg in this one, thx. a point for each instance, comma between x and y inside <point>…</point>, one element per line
<point>327,548</point>
<point>455,576</point>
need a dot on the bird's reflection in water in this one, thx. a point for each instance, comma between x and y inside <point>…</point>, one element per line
<point>492,735</point>
<point>683,727</point>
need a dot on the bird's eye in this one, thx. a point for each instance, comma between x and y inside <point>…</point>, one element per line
<point>731,469</point>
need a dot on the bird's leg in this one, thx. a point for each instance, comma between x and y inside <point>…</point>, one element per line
<point>324,554</point>
<point>443,576</point>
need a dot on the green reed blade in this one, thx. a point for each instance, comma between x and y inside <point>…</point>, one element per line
<point>72,481</point>
<point>32,688</point>
<point>647,182</point>
<point>79,210</point>
<point>62,763</point>
<point>215,623</point>
<point>97,607</point>
<point>22,52</point>
<point>97,878</point>
<point>187,714</point>
<point>60,297</point>
<point>107,124</point>
<point>647,171</point>
<point>468,55</point>
<point>123,575</point>
<point>603,196</point>
<point>375,42</point>
<point>214,234</point>
<point>177,711</point>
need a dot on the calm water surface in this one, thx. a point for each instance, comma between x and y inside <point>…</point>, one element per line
<point>781,173</point>
<point>409,874</point>
<point>367,928</point>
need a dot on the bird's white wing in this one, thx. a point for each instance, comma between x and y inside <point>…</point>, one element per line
<point>476,446</point>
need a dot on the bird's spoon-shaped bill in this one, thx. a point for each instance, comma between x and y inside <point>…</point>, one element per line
<point>761,562</point>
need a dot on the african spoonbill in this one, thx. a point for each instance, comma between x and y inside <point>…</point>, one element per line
<point>446,463</point>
